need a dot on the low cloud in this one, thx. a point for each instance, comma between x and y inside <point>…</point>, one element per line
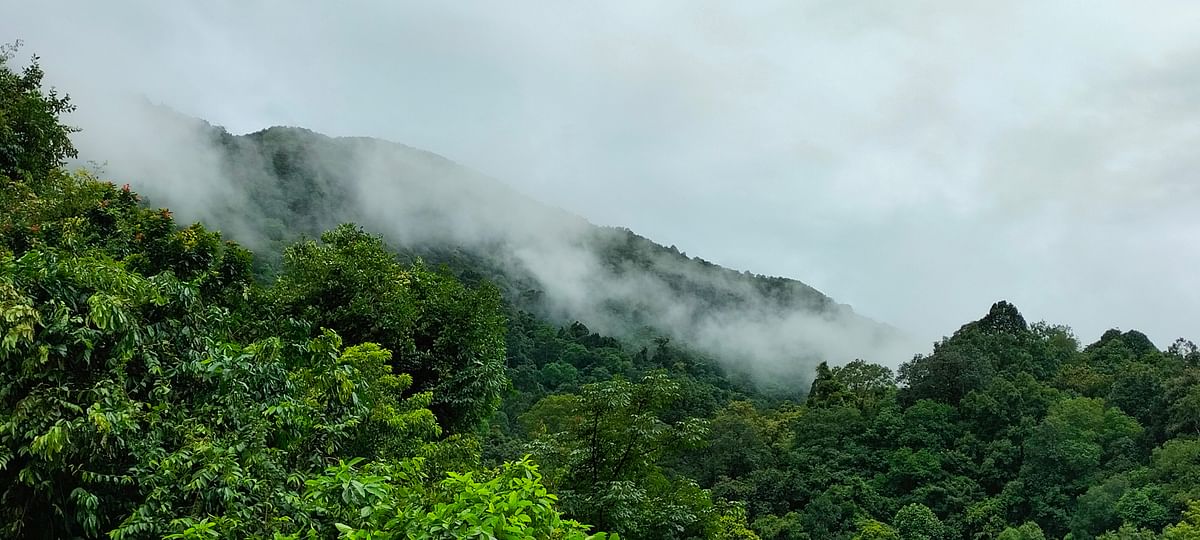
<point>918,162</point>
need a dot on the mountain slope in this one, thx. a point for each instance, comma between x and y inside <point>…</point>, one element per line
<point>266,188</point>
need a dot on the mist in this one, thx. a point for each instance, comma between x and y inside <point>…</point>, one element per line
<point>417,199</point>
<point>917,163</point>
<point>420,199</point>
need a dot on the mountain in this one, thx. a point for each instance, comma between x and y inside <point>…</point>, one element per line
<point>267,187</point>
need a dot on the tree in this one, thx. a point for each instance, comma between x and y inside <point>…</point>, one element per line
<point>739,443</point>
<point>1176,466</point>
<point>32,140</point>
<point>1082,436</point>
<point>1186,351</point>
<point>1008,406</point>
<point>917,522</point>
<point>730,524</point>
<point>1093,372</point>
<point>603,450</point>
<point>1096,510</point>
<point>448,337</point>
<point>1188,528</point>
<point>868,384</point>
<point>876,530</point>
<point>966,361</point>
<point>826,389</point>
<point>1183,403</point>
<point>384,501</point>
<point>1027,531</point>
<point>1127,532</point>
<point>1079,441</point>
<point>1138,391</point>
<point>1140,508</point>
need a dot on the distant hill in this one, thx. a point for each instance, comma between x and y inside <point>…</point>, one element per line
<point>272,186</point>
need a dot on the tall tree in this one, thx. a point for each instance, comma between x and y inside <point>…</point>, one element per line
<point>448,337</point>
<point>603,450</point>
<point>33,141</point>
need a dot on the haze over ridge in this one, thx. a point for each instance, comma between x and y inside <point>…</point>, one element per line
<point>917,163</point>
<point>269,186</point>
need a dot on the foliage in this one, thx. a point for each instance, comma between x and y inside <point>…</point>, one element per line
<point>917,522</point>
<point>1027,531</point>
<point>447,337</point>
<point>384,501</point>
<point>1188,528</point>
<point>32,141</point>
<point>603,449</point>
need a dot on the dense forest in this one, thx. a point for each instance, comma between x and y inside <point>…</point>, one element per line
<point>159,380</point>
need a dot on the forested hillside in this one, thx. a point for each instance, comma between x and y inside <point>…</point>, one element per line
<point>159,380</point>
<point>274,186</point>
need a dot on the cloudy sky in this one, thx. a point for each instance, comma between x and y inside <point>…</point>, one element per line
<point>917,160</point>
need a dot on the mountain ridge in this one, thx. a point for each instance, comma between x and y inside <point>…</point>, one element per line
<point>270,186</point>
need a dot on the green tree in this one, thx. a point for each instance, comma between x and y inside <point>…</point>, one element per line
<point>868,384</point>
<point>1141,508</point>
<point>1079,441</point>
<point>604,448</point>
<point>1176,466</point>
<point>739,443</point>
<point>1096,510</point>
<point>917,522</point>
<point>876,530</point>
<point>1128,532</point>
<point>1188,528</point>
<point>33,142</point>
<point>730,524</point>
<point>381,501</point>
<point>826,389</point>
<point>966,361</point>
<point>448,337</point>
<point>1183,403</point>
<point>1027,531</point>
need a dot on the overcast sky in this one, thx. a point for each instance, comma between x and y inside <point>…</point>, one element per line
<point>917,160</point>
